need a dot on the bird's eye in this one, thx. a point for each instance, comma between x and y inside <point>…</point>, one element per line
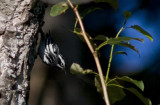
<point>62,64</point>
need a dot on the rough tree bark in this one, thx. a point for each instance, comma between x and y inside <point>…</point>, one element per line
<point>18,37</point>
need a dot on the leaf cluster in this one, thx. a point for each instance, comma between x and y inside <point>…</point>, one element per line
<point>115,88</point>
<point>61,7</point>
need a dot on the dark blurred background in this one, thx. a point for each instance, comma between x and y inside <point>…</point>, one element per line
<point>50,86</point>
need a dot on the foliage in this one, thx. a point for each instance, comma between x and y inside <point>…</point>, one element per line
<point>113,3</point>
<point>120,41</point>
<point>115,86</point>
<point>58,9</point>
<point>138,28</point>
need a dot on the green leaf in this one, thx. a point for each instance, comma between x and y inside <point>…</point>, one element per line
<point>129,46</point>
<point>85,13</point>
<point>113,3</point>
<point>145,33</point>
<point>115,93</point>
<point>120,52</point>
<point>58,9</point>
<point>119,41</point>
<point>139,84</point>
<point>77,69</point>
<point>101,37</point>
<point>127,14</point>
<point>146,101</point>
<point>122,39</point>
<point>89,10</point>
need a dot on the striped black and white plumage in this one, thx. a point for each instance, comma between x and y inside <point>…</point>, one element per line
<point>49,52</point>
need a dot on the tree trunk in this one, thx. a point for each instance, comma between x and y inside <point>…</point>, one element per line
<point>18,28</point>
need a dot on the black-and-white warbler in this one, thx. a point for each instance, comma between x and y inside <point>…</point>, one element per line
<point>49,51</point>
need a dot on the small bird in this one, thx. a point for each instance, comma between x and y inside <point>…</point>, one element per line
<point>49,51</point>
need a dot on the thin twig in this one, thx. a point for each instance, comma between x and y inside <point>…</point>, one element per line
<point>109,64</point>
<point>111,56</point>
<point>104,87</point>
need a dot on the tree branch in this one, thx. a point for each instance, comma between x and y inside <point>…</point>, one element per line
<point>95,55</point>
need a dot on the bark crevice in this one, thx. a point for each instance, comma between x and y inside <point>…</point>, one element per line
<point>18,40</point>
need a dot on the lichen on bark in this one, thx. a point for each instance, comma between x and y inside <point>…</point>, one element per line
<point>18,37</point>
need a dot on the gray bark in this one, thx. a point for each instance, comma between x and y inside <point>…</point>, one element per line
<point>18,28</point>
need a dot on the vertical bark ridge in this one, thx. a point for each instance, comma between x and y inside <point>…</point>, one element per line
<point>18,28</point>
